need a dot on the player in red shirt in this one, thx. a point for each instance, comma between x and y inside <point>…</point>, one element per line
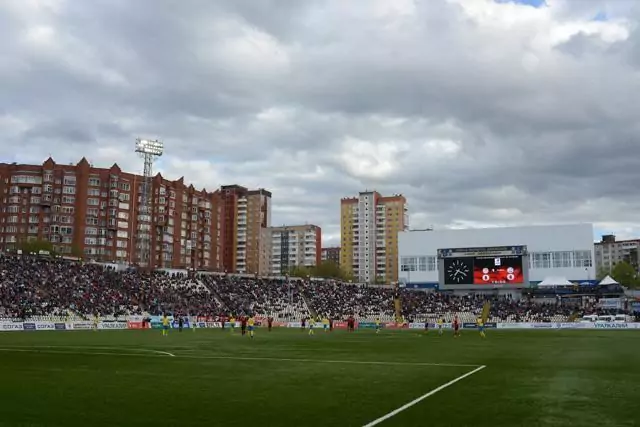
<point>243,324</point>
<point>270,322</point>
<point>456,327</point>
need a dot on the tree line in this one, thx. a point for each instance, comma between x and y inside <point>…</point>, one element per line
<point>623,273</point>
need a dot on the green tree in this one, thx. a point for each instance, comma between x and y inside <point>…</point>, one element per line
<point>601,273</point>
<point>380,280</point>
<point>299,271</point>
<point>328,270</point>
<point>36,246</point>
<point>76,252</point>
<point>625,274</point>
<point>331,270</point>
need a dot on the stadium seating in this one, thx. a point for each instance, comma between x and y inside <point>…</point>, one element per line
<point>52,289</point>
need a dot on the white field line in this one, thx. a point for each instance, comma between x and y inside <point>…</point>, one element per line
<point>59,350</point>
<point>39,349</point>
<point>421,398</point>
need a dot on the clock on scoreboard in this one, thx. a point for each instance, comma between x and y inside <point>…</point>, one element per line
<point>458,271</point>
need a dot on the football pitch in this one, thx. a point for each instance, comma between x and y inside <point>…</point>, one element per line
<point>286,378</point>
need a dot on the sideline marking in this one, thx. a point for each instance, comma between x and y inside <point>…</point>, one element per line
<point>52,349</point>
<point>39,349</point>
<point>421,398</point>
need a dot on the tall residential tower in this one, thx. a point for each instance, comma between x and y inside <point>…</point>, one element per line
<point>245,236</point>
<point>369,234</point>
<point>295,246</point>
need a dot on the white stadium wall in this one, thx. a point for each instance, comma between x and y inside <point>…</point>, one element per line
<point>554,250</point>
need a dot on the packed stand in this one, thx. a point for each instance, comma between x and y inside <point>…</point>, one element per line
<point>340,300</point>
<point>263,297</point>
<point>33,287</point>
<point>42,289</point>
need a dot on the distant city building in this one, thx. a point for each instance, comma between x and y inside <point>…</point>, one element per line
<point>369,235</point>
<point>331,254</point>
<point>552,251</point>
<point>95,213</point>
<point>609,252</point>
<point>294,246</point>
<point>245,236</point>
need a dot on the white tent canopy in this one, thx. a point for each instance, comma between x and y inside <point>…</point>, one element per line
<point>554,281</point>
<point>608,281</point>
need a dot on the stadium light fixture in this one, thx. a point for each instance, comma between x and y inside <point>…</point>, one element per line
<point>148,146</point>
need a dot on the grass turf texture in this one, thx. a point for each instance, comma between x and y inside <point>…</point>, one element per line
<point>120,378</point>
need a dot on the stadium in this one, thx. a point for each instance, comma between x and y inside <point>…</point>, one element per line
<point>83,338</point>
<point>559,251</point>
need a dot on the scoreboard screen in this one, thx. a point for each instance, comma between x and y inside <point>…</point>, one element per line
<point>486,266</point>
<point>498,270</point>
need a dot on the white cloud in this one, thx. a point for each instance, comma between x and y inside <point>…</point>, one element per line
<point>481,113</point>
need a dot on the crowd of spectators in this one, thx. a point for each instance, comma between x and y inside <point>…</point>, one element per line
<point>247,295</point>
<point>32,286</point>
<point>340,300</point>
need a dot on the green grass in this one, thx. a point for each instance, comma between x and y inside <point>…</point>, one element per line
<point>114,378</point>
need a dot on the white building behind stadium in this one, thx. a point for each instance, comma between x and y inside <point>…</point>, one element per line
<point>563,251</point>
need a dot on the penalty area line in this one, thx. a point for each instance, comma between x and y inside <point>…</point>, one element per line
<point>149,352</point>
<point>347,362</point>
<point>421,398</point>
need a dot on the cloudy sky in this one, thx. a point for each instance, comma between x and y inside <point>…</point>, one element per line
<point>482,112</point>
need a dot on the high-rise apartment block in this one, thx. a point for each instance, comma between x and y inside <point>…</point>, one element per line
<point>331,254</point>
<point>295,246</point>
<point>246,219</point>
<point>609,252</point>
<point>370,224</point>
<point>94,213</point>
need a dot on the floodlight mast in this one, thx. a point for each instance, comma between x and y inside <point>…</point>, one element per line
<point>149,150</point>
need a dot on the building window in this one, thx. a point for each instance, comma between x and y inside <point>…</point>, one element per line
<point>408,264</point>
<point>422,263</point>
<point>26,179</point>
<point>582,259</point>
<point>93,202</point>
<point>562,259</point>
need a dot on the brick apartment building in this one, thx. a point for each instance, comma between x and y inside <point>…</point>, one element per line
<point>94,213</point>
<point>331,254</point>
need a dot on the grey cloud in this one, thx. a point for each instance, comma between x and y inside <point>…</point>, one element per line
<point>475,123</point>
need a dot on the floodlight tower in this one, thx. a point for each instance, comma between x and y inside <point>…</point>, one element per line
<point>149,150</point>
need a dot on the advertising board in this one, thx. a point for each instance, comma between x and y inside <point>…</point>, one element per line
<point>112,325</point>
<point>45,326</point>
<point>80,326</point>
<point>11,326</point>
<point>135,325</point>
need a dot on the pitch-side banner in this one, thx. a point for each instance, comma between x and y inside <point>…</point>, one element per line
<point>11,326</point>
<point>420,325</point>
<point>570,325</point>
<point>112,325</point>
